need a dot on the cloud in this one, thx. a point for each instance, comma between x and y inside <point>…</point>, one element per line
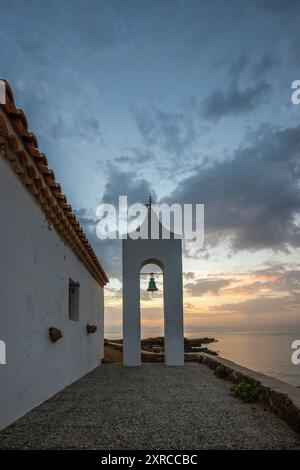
<point>126,183</point>
<point>188,275</point>
<point>252,198</point>
<point>248,289</point>
<point>270,281</point>
<point>119,183</point>
<point>263,305</point>
<point>149,296</point>
<point>108,251</point>
<point>114,293</point>
<point>279,7</point>
<point>206,286</point>
<point>173,132</point>
<point>134,155</point>
<point>54,46</point>
<point>238,66</point>
<point>234,101</point>
<point>279,279</point>
<point>172,142</point>
<point>266,63</point>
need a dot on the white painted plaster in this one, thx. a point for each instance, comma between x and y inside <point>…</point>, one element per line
<point>168,255</point>
<point>35,267</point>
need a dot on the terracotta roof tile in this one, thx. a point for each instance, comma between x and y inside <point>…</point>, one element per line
<point>32,167</point>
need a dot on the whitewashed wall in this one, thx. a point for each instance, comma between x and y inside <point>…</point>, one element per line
<point>35,267</point>
<point>166,253</point>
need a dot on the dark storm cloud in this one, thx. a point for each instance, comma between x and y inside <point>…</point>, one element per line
<point>253,197</point>
<point>206,286</point>
<point>234,101</point>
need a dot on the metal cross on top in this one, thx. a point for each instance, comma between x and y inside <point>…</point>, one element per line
<point>149,203</point>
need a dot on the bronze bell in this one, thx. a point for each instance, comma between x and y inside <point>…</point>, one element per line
<point>152,285</point>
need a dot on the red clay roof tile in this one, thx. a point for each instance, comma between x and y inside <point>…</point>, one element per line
<point>44,187</point>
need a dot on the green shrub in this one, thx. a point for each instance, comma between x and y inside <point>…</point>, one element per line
<point>249,393</point>
<point>220,371</point>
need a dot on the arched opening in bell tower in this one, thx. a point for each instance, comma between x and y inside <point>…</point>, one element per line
<point>152,305</point>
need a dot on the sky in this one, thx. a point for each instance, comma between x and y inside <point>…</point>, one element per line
<point>189,101</point>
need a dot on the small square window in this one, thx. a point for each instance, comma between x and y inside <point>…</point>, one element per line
<point>73,300</point>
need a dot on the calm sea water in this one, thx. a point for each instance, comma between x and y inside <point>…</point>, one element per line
<point>266,352</point>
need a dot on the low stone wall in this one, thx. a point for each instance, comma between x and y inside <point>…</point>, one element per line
<point>281,398</point>
<point>147,356</point>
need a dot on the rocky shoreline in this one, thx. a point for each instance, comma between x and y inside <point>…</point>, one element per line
<point>152,349</point>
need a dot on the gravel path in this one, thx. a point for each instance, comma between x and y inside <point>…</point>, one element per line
<point>152,407</point>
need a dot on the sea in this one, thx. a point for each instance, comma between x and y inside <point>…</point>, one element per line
<point>266,352</point>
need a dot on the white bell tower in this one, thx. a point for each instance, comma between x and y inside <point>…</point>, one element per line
<point>167,254</point>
